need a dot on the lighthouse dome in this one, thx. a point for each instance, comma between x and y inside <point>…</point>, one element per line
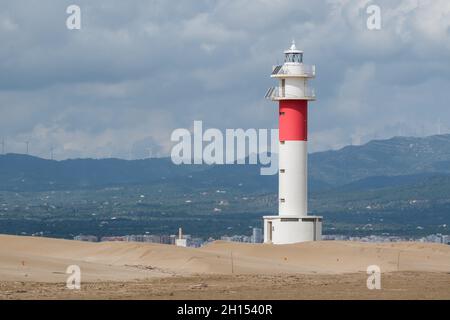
<point>293,54</point>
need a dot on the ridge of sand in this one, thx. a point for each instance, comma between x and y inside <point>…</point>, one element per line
<point>45,260</point>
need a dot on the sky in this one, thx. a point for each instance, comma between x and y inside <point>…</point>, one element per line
<point>137,70</point>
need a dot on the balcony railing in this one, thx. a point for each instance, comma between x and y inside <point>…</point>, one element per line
<point>303,70</point>
<point>274,93</point>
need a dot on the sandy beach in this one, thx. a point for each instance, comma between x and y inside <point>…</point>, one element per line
<point>35,268</point>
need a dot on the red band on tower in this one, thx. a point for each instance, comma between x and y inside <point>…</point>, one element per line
<point>293,120</point>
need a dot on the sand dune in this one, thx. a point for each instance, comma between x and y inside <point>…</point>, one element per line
<point>45,260</point>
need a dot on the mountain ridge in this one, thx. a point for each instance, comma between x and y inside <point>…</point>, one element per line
<point>398,156</point>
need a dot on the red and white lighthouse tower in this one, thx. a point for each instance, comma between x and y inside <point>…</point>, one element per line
<point>292,224</point>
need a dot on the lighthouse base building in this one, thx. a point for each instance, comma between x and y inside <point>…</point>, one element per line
<point>292,224</point>
<point>291,229</point>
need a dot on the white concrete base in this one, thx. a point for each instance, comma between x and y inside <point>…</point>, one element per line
<point>292,229</point>
<point>181,242</point>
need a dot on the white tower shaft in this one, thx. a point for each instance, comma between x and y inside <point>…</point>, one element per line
<point>293,190</point>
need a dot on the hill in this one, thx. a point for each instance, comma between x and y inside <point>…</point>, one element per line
<point>397,186</point>
<point>393,157</point>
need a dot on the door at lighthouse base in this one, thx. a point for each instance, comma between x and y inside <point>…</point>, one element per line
<point>269,231</point>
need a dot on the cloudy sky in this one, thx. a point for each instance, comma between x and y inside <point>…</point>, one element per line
<point>137,70</point>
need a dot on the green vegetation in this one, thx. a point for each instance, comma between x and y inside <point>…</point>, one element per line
<point>355,189</point>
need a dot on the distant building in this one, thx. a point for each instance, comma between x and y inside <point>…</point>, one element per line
<point>257,235</point>
<point>134,238</point>
<point>166,239</point>
<point>436,238</point>
<point>106,239</point>
<point>181,241</point>
<point>87,238</point>
<point>196,242</point>
<point>433,238</point>
<point>150,238</point>
<point>236,238</point>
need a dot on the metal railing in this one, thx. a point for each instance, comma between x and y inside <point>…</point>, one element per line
<point>274,93</point>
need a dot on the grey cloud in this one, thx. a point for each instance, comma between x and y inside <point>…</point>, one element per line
<point>139,69</point>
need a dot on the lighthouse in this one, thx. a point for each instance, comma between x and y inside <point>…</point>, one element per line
<point>292,224</point>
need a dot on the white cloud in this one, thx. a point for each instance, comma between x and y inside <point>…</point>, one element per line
<point>141,69</point>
